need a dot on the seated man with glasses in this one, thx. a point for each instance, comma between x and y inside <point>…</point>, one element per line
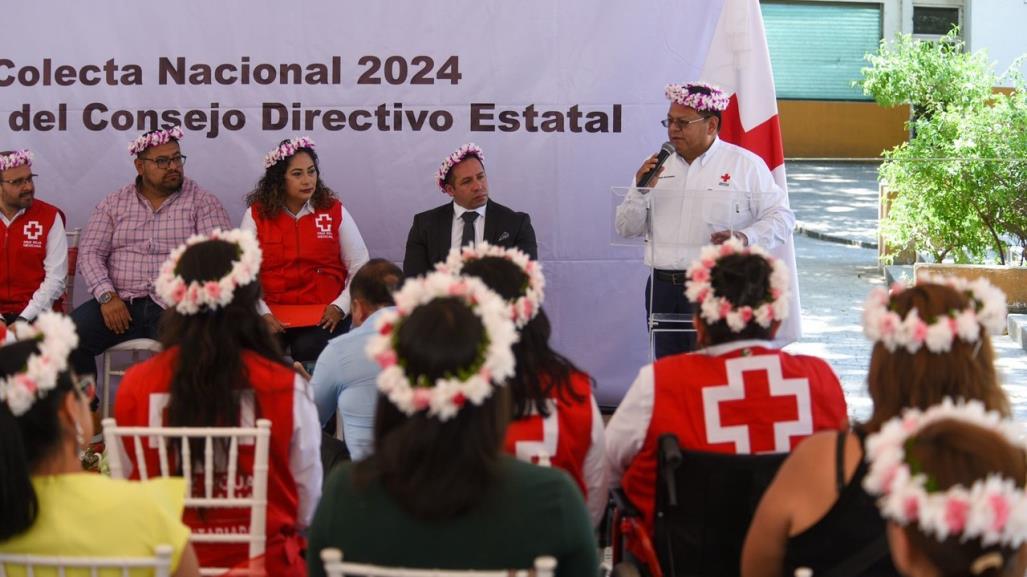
<point>129,235</point>
<point>33,247</point>
<point>711,174</point>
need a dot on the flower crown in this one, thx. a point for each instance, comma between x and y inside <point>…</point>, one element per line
<point>713,308</point>
<point>690,94</point>
<point>155,138</point>
<point>189,298</point>
<point>15,159</point>
<point>458,156</point>
<point>523,308</point>
<point>993,509</point>
<point>444,397</point>
<point>987,308</point>
<point>57,338</point>
<point>287,149</point>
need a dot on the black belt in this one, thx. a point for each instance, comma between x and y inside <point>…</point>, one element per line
<point>675,277</point>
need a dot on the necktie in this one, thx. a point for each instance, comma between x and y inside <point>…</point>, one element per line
<point>468,237</point>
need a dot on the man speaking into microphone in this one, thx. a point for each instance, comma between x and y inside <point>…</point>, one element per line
<point>700,168</point>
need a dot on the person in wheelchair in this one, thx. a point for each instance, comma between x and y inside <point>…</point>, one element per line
<point>554,411</point>
<point>221,367</point>
<point>737,394</point>
<point>49,506</point>
<point>930,342</point>
<point>438,492</point>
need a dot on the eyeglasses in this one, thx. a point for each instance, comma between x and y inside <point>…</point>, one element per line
<point>679,123</point>
<point>164,162</point>
<point>20,182</point>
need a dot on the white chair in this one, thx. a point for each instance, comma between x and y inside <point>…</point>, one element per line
<point>135,346</point>
<point>336,567</point>
<point>29,565</point>
<point>118,439</point>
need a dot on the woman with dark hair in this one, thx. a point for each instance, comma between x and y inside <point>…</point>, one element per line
<point>554,413</point>
<point>221,367</point>
<point>311,245</point>
<point>930,342</point>
<point>48,504</point>
<point>438,492</point>
<point>950,482</point>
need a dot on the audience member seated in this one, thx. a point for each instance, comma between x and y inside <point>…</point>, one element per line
<point>437,491</point>
<point>963,469</point>
<point>311,246</point>
<point>221,367</point>
<point>128,236</point>
<point>930,342</point>
<point>344,376</point>
<point>554,411</point>
<point>48,504</point>
<point>34,247</point>
<point>735,395</point>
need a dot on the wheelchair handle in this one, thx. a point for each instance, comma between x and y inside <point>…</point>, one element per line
<point>670,458</point>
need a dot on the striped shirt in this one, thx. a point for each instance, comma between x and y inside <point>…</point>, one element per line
<point>126,240</point>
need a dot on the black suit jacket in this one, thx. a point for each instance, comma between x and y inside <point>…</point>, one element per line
<point>432,233</point>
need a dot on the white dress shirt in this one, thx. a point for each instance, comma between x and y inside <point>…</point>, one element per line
<point>458,225</point>
<point>55,265</point>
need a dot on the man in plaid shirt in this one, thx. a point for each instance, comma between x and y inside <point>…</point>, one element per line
<point>128,237</point>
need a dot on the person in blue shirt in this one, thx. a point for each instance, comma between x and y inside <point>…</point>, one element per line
<point>344,377</point>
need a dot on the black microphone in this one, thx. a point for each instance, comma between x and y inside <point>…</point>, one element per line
<point>665,151</point>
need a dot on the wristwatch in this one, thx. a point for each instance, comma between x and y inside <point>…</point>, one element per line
<point>106,297</point>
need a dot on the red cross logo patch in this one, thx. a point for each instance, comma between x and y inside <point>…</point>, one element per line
<point>32,230</point>
<point>323,222</point>
<point>758,409</point>
<point>725,178</point>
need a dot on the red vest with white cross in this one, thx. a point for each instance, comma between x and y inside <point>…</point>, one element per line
<point>565,435</point>
<point>22,251</point>
<point>746,401</point>
<point>302,264</point>
<point>142,400</point>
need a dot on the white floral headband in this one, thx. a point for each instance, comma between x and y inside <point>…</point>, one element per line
<point>713,308</point>
<point>523,308</point>
<point>287,149</point>
<point>57,338</point>
<point>987,308</point>
<point>15,159</point>
<point>189,298</point>
<point>694,95</point>
<point>458,156</point>
<point>444,397</point>
<point>993,509</point>
<point>155,138</point>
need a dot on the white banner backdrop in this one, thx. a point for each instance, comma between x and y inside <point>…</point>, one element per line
<point>564,97</point>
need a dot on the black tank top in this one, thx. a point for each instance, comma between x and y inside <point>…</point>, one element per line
<point>849,527</point>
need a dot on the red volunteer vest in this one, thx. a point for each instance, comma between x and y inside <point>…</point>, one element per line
<point>142,401</point>
<point>751,400</point>
<point>302,264</point>
<point>22,250</point>
<point>565,435</point>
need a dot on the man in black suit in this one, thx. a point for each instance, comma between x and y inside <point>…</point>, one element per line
<point>469,219</point>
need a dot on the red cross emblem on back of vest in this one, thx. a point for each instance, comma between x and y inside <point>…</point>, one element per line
<point>758,409</point>
<point>33,230</point>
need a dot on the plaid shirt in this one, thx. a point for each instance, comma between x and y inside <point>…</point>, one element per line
<point>126,241</point>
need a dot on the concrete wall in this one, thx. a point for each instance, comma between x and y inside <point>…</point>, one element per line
<point>839,129</point>
<point>998,27</point>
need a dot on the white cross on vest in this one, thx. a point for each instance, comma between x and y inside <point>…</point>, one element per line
<point>324,224</point>
<point>781,391</point>
<point>33,230</point>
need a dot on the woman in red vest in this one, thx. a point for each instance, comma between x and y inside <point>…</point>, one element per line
<point>221,367</point>
<point>311,248</point>
<point>555,415</point>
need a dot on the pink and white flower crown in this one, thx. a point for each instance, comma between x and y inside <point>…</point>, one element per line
<point>57,338</point>
<point>190,298</point>
<point>523,308</point>
<point>444,397</point>
<point>993,509</point>
<point>458,156</point>
<point>15,159</point>
<point>155,138</point>
<point>987,309</point>
<point>713,308</point>
<point>687,95</point>
<point>287,149</point>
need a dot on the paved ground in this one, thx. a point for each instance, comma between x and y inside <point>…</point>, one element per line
<point>839,201</point>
